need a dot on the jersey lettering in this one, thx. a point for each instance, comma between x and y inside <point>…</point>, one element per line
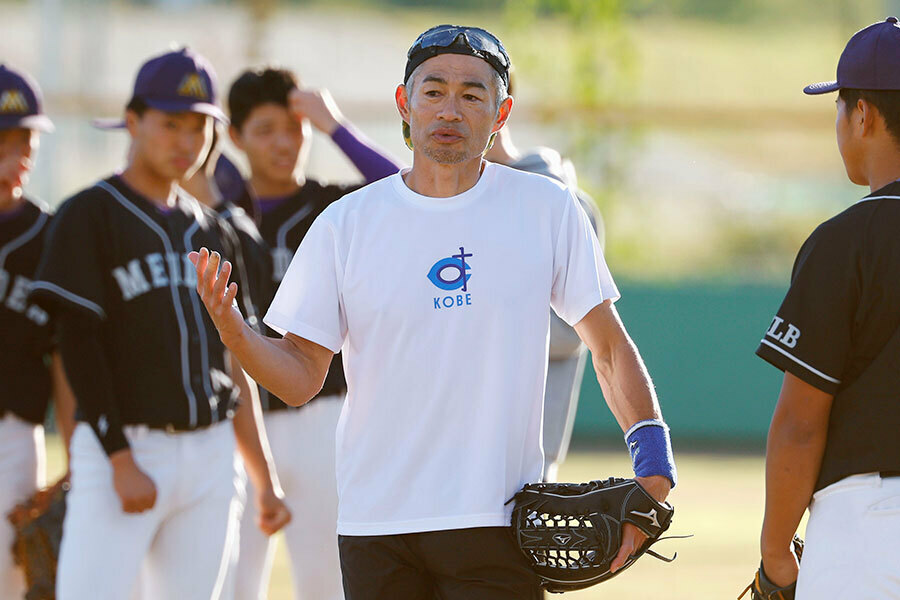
<point>162,270</point>
<point>17,300</point>
<point>132,281</point>
<point>787,338</point>
<point>157,270</point>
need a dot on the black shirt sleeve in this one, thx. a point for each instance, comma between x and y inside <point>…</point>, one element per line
<point>90,376</point>
<point>71,271</point>
<point>811,334</point>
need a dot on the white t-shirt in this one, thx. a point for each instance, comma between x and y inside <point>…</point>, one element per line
<point>442,309</point>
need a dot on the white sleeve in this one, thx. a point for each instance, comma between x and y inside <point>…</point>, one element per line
<point>308,301</point>
<point>581,279</point>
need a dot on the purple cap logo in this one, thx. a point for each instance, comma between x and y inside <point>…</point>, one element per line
<point>20,102</point>
<point>870,61</point>
<point>13,102</point>
<point>193,86</point>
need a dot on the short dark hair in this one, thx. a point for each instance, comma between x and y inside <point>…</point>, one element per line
<point>886,101</point>
<point>256,87</point>
<point>137,106</point>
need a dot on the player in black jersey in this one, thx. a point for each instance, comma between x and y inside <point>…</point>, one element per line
<point>833,443</point>
<point>153,472</point>
<point>270,123</point>
<point>30,369</point>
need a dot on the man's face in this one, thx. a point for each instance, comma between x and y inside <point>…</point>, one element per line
<point>16,149</point>
<point>452,108</point>
<point>273,140</point>
<point>845,125</point>
<point>172,145</point>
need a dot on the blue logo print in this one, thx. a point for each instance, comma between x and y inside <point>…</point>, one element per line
<point>451,273</point>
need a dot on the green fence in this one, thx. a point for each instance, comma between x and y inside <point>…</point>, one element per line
<point>698,341</point>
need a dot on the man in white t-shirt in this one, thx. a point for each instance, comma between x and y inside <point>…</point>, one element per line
<point>437,283</point>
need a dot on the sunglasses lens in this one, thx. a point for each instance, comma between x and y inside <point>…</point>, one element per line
<point>479,39</point>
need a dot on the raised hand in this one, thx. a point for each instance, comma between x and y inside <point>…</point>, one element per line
<point>318,106</point>
<point>217,294</point>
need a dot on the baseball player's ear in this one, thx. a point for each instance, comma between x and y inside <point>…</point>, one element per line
<point>503,114</point>
<point>131,122</point>
<point>402,102</point>
<point>235,134</point>
<point>868,116</point>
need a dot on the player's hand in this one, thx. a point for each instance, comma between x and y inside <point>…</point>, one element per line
<point>135,489</point>
<point>632,537</point>
<point>781,566</point>
<point>318,106</point>
<point>217,294</point>
<point>273,512</point>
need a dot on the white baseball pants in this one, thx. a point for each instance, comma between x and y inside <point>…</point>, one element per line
<point>302,444</point>
<point>853,541</point>
<point>180,547</point>
<point>22,472</point>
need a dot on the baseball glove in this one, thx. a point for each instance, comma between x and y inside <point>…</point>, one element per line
<point>38,523</point>
<point>571,532</point>
<point>763,589</point>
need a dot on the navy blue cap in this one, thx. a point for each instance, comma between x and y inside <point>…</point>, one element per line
<point>871,61</point>
<point>20,102</point>
<point>177,81</point>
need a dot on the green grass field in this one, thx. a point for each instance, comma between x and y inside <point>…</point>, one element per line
<point>719,499</point>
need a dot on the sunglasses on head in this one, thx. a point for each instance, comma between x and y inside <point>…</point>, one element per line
<point>482,42</point>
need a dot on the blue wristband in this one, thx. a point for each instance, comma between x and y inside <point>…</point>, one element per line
<point>651,450</point>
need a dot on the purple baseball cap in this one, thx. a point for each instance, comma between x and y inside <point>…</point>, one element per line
<point>177,81</point>
<point>871,61</point>
<point>20,102</point>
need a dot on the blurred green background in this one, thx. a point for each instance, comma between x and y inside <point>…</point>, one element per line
<point>685,121</point>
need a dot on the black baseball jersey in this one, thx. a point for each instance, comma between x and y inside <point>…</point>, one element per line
<point>283,228</point>
<point>113,255</point>
<point>253,260</point>
<point>25,328</point>
<point>838,329</point>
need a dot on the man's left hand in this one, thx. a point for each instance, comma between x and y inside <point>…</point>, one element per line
<point>632,537</point>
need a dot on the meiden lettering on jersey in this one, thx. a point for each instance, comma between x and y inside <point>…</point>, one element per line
<point>156,270</point>
<point>14,296</point>
<point>449,274</point>
<point>788,336</point>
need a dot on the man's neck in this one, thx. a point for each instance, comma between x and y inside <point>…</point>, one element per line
<point>11,202</point>
<point>882,161</point>
<point>156,189</point>
<point>267,188</point>
<point>200,187</point>
<point>437,180</point>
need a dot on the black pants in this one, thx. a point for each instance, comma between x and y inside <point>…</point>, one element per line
<point>460,564</point>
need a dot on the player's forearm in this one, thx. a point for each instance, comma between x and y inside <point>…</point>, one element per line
<point>370,160</point>
<point>250,433</point>
<point>90,376</point>
<point>794,452</point>
<point>626,384</point>
<point>277,365</point>
<point>63,401</point>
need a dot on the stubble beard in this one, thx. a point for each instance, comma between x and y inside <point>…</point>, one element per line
<point>445,156</point>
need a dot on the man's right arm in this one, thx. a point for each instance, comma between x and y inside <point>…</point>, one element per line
<point>292,368</point>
